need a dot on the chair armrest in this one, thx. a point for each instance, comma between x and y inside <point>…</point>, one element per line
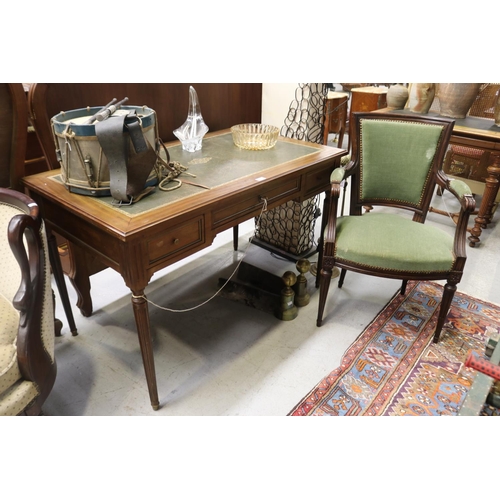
<point>463,193</point>
<point>331,208</point>
<point>28,257</point>
<point>460,190</point>
<point>337,175</point>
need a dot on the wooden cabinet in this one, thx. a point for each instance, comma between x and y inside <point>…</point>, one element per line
<point>35,161</point>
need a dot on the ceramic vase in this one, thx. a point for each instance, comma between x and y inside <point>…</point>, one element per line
<point>397,95</point>
<point>455,99</point>
<point>420,97</point>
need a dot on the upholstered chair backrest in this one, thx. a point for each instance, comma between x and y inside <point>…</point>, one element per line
<point>47,323</point>
<point>396,160</point>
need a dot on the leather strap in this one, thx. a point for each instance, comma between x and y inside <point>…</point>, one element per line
<point>129,168</point>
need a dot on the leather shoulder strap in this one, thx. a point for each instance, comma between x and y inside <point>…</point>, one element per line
<point>111,136</point>
<point>129,168</point>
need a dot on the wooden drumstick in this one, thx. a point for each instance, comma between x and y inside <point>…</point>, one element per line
<point>106,113</point>
<point>93,118</point>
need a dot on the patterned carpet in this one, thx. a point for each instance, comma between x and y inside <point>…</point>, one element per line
<point>394,369</point>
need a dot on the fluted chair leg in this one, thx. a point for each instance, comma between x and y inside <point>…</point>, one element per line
<point>449,292</point>
<point>324,285</point>
<point>319,264</point>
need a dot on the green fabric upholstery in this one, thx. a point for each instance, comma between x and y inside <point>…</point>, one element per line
<point>392,242</point>
<point>460,187</point>
<point>391,153</point>
<point>337,175</point>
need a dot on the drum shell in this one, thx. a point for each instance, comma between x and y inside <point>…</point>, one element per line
<point>84,167</point>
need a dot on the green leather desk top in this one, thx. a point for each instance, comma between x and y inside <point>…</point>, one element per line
<point>217,163</point>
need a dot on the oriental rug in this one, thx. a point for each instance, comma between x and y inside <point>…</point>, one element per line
<point>394,368</point>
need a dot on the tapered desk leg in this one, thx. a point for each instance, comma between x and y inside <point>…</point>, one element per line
<point>486,209</point>
<point>55,263</point>
<point>141,314</point>
<point>235,237</point>
<point>80,279</point>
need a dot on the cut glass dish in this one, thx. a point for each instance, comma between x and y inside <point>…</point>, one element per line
<point>255,136</point>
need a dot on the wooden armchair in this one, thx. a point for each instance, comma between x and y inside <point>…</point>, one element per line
<point>27,364</point>
<point>396,163</point>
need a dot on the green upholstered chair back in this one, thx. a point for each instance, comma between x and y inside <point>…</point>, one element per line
<point>398,160</point>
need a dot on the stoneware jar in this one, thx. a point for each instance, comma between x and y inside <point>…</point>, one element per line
<point>397,95</point>
<point>455,99</point>
<point>420,97</point>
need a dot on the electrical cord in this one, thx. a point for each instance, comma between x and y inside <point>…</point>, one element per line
<point>264,209</point>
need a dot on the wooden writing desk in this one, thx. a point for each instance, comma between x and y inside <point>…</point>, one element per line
<point>480,133</point>
<point>163,228</point>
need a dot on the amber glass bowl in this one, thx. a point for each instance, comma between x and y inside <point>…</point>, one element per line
<point>255,136</point>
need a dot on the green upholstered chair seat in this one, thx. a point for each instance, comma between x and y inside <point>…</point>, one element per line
<point>391,242</point>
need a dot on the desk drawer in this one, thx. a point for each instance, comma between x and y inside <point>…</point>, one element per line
<point>176,239</point>
<point>251,204</point>
<point>318,181</point>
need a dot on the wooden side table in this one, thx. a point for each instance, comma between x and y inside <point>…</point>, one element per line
<point>478,133</point>
<point>335,116</point>
<point>367,99</point>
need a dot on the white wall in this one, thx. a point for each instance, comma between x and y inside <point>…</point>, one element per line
<point>276,99</point>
